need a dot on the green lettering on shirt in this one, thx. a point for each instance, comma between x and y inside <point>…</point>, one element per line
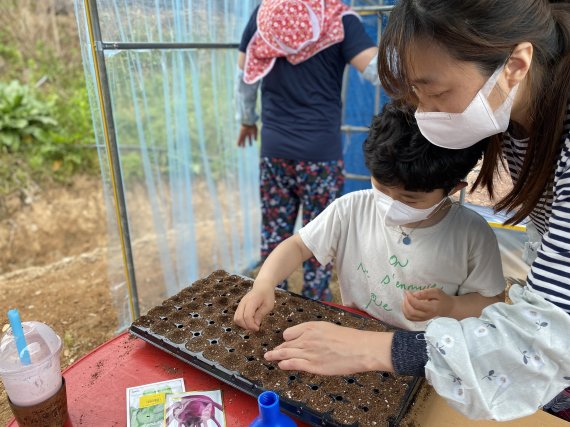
<point>377,303</point>
<point>396,263</point>
<point>362,268</point>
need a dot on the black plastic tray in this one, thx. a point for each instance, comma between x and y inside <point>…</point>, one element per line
<point>234,379</point>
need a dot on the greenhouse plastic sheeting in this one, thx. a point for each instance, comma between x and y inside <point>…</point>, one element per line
<point>191,193</point>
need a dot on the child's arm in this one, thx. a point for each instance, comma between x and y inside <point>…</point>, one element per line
<point>430,303</point>
<point>279,265</point>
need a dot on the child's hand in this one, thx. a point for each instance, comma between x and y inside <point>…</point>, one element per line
<point>253,307</point>
<point>427,304</point>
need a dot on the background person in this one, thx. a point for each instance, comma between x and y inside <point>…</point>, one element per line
<point>298,51</point>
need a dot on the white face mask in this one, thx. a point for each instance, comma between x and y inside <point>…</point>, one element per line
<point>477,122</point>
<point>395,213</point>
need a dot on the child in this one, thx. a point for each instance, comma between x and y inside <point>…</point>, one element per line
<point>404,252</point>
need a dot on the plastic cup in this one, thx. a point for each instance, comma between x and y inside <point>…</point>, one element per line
<point>35,390</point>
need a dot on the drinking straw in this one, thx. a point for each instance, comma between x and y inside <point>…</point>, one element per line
<point>18,332</point>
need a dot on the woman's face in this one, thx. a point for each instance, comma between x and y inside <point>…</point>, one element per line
<point>444,84</point>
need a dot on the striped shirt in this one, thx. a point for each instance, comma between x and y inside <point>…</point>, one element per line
<point>549,275</point>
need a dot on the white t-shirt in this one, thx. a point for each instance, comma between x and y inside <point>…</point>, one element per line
<point>459,255</point>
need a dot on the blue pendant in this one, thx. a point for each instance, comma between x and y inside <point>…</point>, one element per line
<point>407,240</point>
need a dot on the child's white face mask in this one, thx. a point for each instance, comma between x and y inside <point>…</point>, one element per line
<point>396,213</point>
<point>477,122</point>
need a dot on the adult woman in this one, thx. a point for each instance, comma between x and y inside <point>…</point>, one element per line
<point>476,69</point>
<point>297,51</point>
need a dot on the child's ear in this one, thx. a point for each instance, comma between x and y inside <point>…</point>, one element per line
<point>460,186</point>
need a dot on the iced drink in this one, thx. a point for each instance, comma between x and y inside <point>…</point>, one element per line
<point>35,390</point>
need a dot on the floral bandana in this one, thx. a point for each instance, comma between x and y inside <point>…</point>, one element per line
<point>294,29</point>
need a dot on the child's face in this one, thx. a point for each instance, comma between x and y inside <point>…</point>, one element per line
<point>415,199</point>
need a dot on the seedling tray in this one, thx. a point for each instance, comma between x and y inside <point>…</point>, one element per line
<point>196,326</point>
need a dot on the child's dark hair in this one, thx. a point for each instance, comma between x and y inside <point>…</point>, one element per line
<point>396,153</point>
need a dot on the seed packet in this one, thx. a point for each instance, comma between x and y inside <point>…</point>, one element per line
<point>145,403</point>
<point>195,408</point>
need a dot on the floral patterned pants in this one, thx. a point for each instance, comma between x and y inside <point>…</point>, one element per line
<point>285,187</point>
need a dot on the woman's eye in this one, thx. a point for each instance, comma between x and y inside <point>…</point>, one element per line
<point>437,95</point>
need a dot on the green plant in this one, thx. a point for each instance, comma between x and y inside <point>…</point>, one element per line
<point>47,134</point>
<point>43,138</point>
<point>24,119</point>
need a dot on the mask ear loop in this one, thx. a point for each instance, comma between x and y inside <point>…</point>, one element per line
<point>492,81</point>
<point>490,84</point>
<point>506,104</point>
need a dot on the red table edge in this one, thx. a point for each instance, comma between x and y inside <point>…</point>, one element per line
<point>121,335</point>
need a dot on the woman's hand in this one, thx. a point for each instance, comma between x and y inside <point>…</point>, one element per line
<point>427,304</point>
<point>247,133</point>
<point>327,349</point>
<point>254,306</point>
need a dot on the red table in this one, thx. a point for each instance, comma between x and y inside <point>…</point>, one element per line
<point>96,394</point>
<point>96,383</point>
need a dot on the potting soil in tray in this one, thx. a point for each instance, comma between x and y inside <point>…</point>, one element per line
<point>196,325</point>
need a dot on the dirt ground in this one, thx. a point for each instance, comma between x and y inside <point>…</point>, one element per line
<point>54,265</point>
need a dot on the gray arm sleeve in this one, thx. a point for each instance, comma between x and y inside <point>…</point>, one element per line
<point>370,73</point>
<point>246,100</point>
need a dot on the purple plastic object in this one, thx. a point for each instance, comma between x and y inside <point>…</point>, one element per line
<point>269,413</point>
<point>194,411</point>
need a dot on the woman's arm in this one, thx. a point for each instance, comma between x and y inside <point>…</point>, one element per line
<point>505,364</point>
<point>366,62</point>
<point>514,358</point>
<point>246,101</point>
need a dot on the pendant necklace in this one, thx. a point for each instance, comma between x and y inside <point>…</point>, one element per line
<point>406,238</point>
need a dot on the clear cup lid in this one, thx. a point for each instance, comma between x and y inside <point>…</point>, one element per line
<point>42,344</point>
